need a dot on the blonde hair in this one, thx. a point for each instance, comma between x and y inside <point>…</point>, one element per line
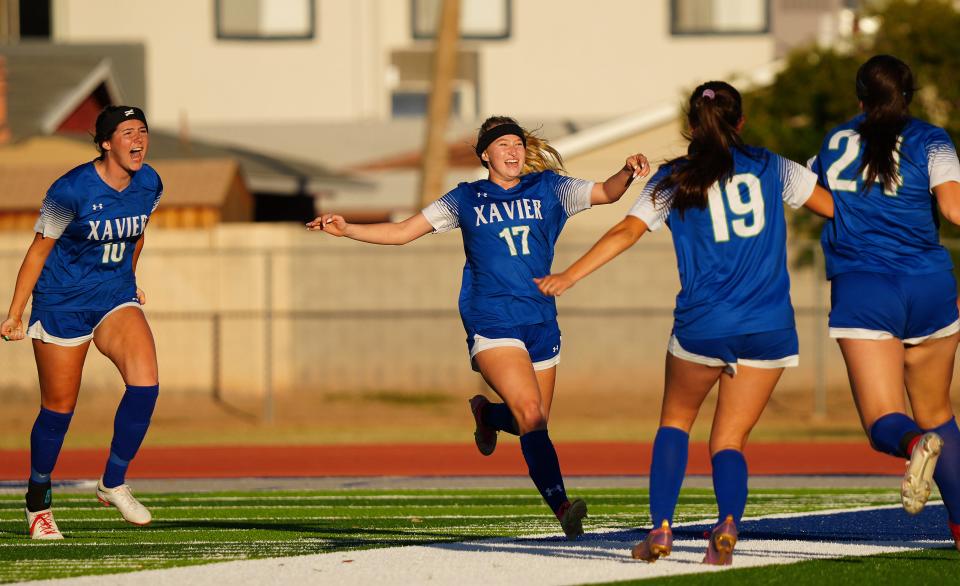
<point>540,156</point>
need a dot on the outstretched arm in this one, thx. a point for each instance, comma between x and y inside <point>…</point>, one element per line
<point>820,202</point>
<point>33,261</point>
<point>384,233</point>
<point>948,200</point>
<point>616,240</point>
<point>616,185</point>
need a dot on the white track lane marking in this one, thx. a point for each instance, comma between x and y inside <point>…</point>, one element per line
<point>490,562</point>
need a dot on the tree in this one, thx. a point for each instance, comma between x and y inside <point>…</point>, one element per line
<point>815,91</point>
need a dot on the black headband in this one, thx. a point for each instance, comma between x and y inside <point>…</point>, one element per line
<point>496,132</point>
<point>113,116</point>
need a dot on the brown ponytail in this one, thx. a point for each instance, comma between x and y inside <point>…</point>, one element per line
<point>713,114</point>
<point>885,88</point>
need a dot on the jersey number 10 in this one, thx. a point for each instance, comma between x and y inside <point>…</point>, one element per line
<point>113,252</point>
<point>753,206</point>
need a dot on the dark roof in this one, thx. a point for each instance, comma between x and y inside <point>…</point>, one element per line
<point>263,173</point>
<point>43,91</point>
<point>46,81</point>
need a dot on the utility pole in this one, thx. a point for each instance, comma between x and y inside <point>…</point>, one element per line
<point>433,163</point>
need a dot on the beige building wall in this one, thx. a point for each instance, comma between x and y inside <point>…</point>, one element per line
<point>337,75</point>
<point>564,59</point>
<point>600,59</point>
<point>348,317</point>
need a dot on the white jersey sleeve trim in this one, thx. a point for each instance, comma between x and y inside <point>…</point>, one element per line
<point>54,218</point>
<point>653,214</point>
<point>443,214</point>
<point>574,194</point>
<point>942,163</point>
<point>798,181</point>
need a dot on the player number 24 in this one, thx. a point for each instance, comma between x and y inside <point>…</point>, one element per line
<point>850,151</point>
<point>113,252</point>
<point>523,232</point>
<point>753,206</point>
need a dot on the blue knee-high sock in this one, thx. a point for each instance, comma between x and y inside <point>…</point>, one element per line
<point>892,434</point>
<point>498,416</point>
<point>46,439</point>
<point>667,470</point>
<point>544,467</point>
<point>730,483</point>
<point>947,473</point>
<point>129,428</point>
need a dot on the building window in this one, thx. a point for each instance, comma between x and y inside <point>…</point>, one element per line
<point>479,19</point>
<point>719,17</point>
<point>413,104</point>
<point>265,19</point>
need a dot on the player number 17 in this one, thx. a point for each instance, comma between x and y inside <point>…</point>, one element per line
<point>508,233</point>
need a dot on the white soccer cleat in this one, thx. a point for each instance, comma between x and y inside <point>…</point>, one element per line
<point>918,480</point>
<point>130,508</point>
<point>42,525</point>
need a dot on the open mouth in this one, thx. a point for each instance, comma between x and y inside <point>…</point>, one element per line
<point>136,154</point>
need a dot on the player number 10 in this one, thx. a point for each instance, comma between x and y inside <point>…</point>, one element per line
<point>113,252</point>
<point>523,232</point>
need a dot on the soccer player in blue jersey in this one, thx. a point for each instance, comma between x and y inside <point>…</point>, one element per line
<point>893,294</point>
<point>80,271</point>
<point>733,322</point>
<point>510,223</point>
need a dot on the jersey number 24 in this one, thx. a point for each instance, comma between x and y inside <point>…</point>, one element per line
<point>851,149</point>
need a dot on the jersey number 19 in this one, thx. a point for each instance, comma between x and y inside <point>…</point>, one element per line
<point>753,206</point>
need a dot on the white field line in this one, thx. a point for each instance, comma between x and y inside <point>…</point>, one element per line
<point>73,498</point>
<point>533,561</point>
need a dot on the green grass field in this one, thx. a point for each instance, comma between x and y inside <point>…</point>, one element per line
<point>198,528</point>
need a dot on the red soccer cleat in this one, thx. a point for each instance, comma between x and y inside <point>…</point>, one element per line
<point>722,540</point>
<point>657,544</point>
<point>485,436</point>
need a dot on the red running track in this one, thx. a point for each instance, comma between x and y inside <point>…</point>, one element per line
<point>576,459</point>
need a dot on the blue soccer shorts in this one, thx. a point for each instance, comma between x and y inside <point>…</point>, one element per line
<point>541,341</point>
<point>774,349</point>
<point>71,328</point>
<point>879,306</point>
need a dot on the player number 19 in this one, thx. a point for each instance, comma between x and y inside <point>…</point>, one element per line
<point>752,206</point>
<point>522,231</point>
<point>113,252</point>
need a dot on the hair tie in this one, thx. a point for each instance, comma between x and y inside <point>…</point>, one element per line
<point>708,94</point>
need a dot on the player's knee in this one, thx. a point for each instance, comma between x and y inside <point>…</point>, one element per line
<point>59,404</point>
<point>530,416</point>
<point>727,442</point>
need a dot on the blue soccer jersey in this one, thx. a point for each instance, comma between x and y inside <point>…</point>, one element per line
<point>97,228</point>
<point>508,238</point>
<point>886,230</point>
<point>732,255</point>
